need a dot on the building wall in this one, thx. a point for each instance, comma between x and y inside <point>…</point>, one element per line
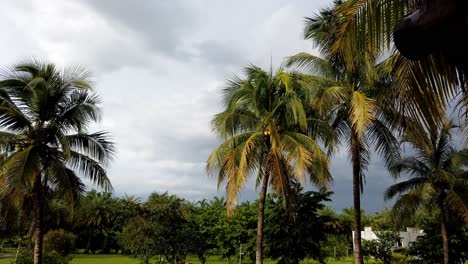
<point>408,236</point>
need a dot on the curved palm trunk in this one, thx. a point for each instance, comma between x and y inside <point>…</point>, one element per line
<point>38,220</point>
<point>443,232</point>
<point>261,216</point>
<point>355,158</point>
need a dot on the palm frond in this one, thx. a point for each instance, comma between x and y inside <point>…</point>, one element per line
<point>67,184</point>
<point>384,142</point>
<point>411,165</point>
<point>20,169</point>
<point>89,168</point>
<point>312,64</point>
<point>458,202</point>
<point>78,110</point>
<point>362,112</point>
<point>95,145</point>
<point>405,186</point>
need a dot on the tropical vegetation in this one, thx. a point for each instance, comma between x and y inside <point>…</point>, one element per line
<point>368,90</point>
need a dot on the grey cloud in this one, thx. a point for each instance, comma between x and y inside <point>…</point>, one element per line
<point>377,181</point>
<point>163,25</point>
<point>219,53</point>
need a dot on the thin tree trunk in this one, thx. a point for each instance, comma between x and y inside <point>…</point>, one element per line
<point>20,225</point>
<point>261,214</point>
<point>443,232</point>
<point>356,163</point>
<point>88,244</point>
<point>38,220</point>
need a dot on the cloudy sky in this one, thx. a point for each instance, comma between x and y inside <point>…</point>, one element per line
<point>159,66</point>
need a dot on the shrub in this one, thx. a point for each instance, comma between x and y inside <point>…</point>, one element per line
<point>60,241</point>
<point>53,257</point>
<point>382,248</point>
<point>25,256</point>
<point>398,258</point>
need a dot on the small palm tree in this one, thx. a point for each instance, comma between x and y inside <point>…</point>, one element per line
<point>94,216</point>
<point>437,178</point>
<point>266,130</point>
<point>44,116</point>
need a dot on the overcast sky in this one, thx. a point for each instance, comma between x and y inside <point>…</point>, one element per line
<point>159,66</point>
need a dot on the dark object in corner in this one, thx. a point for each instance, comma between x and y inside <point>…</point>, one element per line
<point>437,26</point>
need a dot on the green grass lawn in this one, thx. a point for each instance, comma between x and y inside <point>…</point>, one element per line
<point>118,259</point>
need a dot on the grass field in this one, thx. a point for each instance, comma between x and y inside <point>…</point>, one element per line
<point>118,259</point>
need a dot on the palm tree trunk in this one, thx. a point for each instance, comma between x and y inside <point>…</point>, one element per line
<point>443,232</point>
<point>356,163</point>
<point>261,216</point>
<point>38,218</point>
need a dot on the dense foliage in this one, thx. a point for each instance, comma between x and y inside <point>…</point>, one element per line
<point>296,233</point>
<point>59,241</point>
<point>428,248</point>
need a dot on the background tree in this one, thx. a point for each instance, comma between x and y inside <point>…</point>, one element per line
<point>264,128</point>
<point>382,248</point>
<point>138,238</point>
<point>294,234</point>
<point>44,116</point>
<point>209,216</point>
<point>173,232</point>
<point>428,249</point>
<point>437,178</point>
<point>93,222</point>
<point>244,222</point>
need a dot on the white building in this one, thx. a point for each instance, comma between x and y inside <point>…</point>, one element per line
<point>406,237</point>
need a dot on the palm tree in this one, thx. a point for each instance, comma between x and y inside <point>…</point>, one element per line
<point>358,120</point>
<point>266,129</point>
<point>44,116</point>
<point>436,178</point>
<point>426,86</point>
<point>355,97</point>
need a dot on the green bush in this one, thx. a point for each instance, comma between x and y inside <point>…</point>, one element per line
<point>60,241</point>
<point>398,258</point>
<point>53,257</point>
<point>25,256</point>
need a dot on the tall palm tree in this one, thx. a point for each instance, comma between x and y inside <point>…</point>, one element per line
<point>437,178</point>
<point>266,129</point>
<point>356,99</point>
<point>44,116</point>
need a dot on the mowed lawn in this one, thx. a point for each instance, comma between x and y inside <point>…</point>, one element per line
<point>119,259</point>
